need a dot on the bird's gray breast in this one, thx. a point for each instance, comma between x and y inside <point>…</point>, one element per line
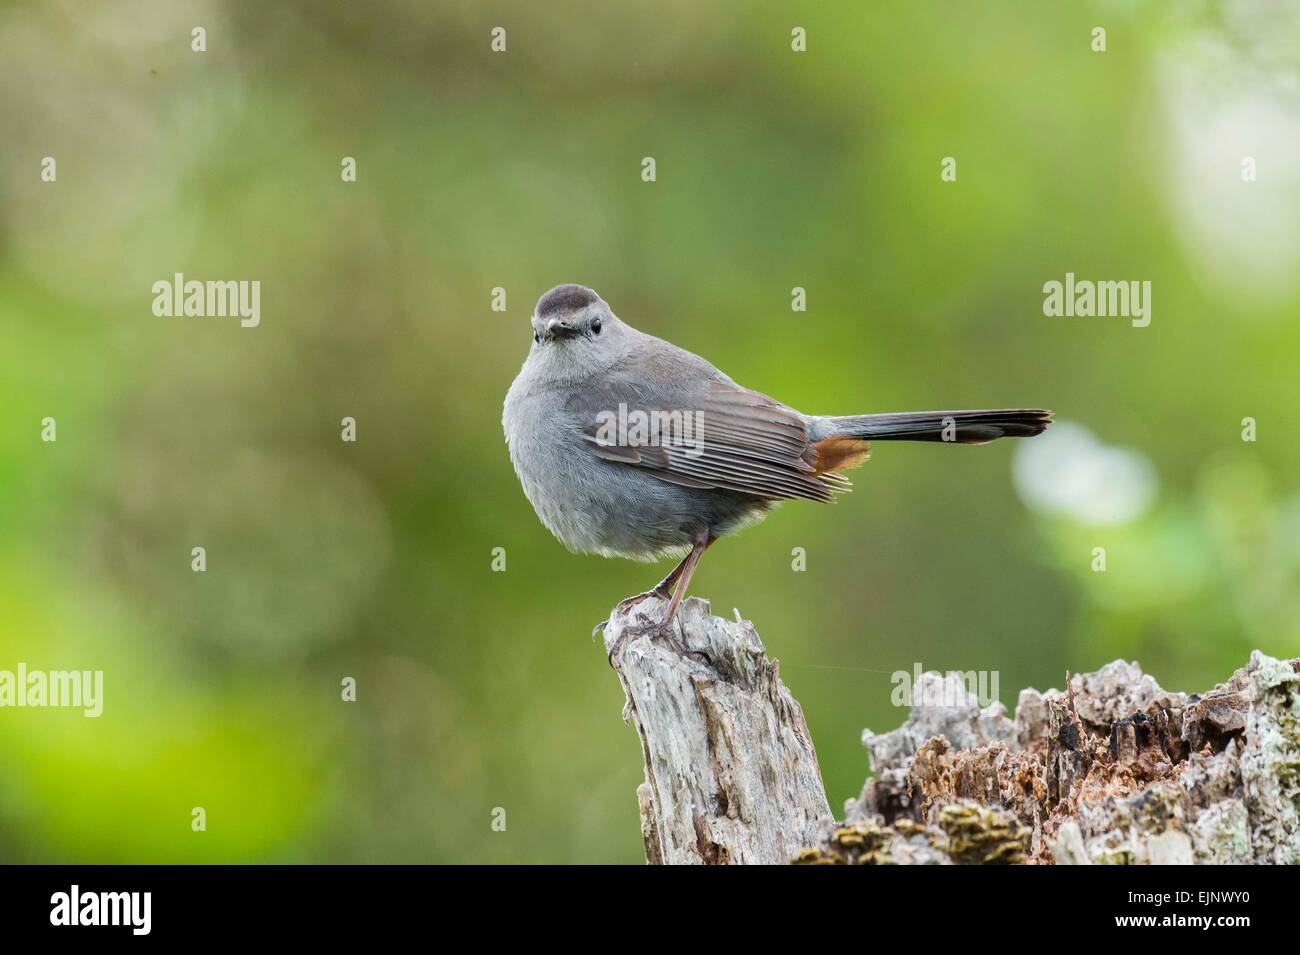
<point>596,506</point>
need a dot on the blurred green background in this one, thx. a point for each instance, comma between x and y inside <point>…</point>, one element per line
<point>521,170</point>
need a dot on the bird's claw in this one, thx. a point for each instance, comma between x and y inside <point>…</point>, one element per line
<point>656,630</point>
<point>669,633</point>
<point>646,628</point>
<point>627,604</point>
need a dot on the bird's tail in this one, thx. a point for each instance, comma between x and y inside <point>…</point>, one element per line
<point>957,427</point>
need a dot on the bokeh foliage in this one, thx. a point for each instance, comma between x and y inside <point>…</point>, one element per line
<point>521,170</point>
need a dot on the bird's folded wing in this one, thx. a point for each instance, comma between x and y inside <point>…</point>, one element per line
<point>730,438</point>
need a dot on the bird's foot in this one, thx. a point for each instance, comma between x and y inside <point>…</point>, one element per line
<point>624,606</point>
<point>664,629</point>
<point>629,630</point>
<point>658,630</point>
<point>663,593</point>
<point>667,630</point>
<point>618,645</point>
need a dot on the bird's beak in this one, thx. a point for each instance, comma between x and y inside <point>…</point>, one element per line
<point>557,328</point>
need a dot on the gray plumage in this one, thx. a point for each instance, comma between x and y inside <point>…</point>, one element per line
<point>648,499</point>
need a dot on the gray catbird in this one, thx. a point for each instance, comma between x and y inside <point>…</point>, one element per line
<point>628,446</point>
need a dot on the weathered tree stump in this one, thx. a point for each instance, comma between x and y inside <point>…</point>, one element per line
<point>730,771</point>
<point>1113,769</point>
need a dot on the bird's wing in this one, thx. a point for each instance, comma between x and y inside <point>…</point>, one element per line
<point>719,436</point>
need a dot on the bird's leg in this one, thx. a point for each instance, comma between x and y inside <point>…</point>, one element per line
<point>686,572</point>
<point>662,589</point>
<point>679,580</point>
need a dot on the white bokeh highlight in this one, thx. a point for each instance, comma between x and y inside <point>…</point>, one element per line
<point>1068,472</point>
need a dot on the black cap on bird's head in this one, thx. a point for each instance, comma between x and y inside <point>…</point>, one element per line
<point>565,298</point>
<point>568,312</point>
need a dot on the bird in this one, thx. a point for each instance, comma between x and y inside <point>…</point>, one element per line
<point>628,446</point>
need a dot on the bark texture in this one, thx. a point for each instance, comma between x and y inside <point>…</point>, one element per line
<point>1113,769</point>
<point>730,771</point>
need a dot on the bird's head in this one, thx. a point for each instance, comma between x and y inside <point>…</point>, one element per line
<point>573,317</point>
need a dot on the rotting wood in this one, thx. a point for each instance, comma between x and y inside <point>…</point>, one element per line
<point>1114,769</point>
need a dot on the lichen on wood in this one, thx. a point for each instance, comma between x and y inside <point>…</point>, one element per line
<point>1113,769</point>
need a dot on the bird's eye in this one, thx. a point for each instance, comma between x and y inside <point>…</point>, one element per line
<point>595,327</point>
